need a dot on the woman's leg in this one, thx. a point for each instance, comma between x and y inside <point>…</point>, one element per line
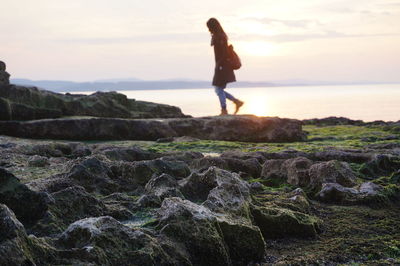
<point>221,95</point>
<point>230,96</point>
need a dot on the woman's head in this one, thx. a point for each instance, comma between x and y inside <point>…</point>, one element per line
<point>214,27</point>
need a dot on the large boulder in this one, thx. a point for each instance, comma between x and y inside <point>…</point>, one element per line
<point>105,241</point>
<point>207,238</point>
<point>231,128</point>
<point>29,206</point>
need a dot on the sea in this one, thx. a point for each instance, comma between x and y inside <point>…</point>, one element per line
<point>364,102</point>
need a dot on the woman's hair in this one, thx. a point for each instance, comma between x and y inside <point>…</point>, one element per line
<point>215,28</point>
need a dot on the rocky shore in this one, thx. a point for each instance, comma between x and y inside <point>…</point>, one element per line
<point>170,203</point>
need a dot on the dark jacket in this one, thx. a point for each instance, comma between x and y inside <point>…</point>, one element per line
<point>223,75</point>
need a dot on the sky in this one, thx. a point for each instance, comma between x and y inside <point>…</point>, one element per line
<point>86,40</point>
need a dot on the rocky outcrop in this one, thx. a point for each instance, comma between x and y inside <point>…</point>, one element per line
<point>230,128</point>
<point>29,103</point>
<point>4,76</point>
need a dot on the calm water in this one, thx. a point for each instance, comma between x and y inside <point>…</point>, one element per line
<point>366,102</point>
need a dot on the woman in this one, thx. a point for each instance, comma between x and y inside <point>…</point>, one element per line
<point>223,71</point>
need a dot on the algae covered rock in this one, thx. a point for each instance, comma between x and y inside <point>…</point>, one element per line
<point>29,206</point>
<point>331,172</point>
<point>104,240</point>
<point>279,222</point>
<point>207,238</point>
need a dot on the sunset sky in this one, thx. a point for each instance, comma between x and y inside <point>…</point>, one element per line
<point>317,40</point>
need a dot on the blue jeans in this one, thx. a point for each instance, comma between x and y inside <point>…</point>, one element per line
<point>223,95</point>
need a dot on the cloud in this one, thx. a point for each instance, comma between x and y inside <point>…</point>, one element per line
<point>299,23</point>
<point>149,38</point>
<point>285,38</point>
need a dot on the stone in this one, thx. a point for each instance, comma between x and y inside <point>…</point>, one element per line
<point>128,154</point>
<point>331,172</point>
<point>197,186</point>
<point>279,222</point>
<point>336,193</point>
<point>104,240</point>
<point>381,164</point>
<point>29,103</point>
<point>4,76</point>
<point>38,161</point>
<point>95,176</point>
<point>250,166</point>
<point>207,239</point>
<point>297,170</point>
<point>229,128</point>
<point>29,206</point>
<point>163,186</point>
<point>75,203</point>
<point>272,172</point>
<point>12,238</point>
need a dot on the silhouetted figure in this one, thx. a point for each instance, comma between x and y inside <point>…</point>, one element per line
<point>223,71</point>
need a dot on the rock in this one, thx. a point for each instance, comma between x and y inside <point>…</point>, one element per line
<point>38,161</point>
<point>339,155</point>
<point>293,171</point>
<point>187,156</point>
<point>128,154</point>
<point>29,103</point>
<point>4,76</point>
<point>336,193</point>
<point>370,189</point>
<point>256,187</point>
<point>28,206</point>
<point>249,166</point>
<point>332,121</point>
<point>279,222</point>
<point>95,176</point>
<point>75,203</point>
<point>140,172</point>
<point>230,128</point>
<point>12,237</point>
<point>367,193</point>
<point>230,198</point>
<point>297,171</point>
<point>104,240</point>
<point>258,155</point>
<point>272,172</point>
<point>197,186</point>
<point>207,240</point>
<point>163,186</point>
<point>10,227</point>
<point>380,164</point>
<point>331,172</point>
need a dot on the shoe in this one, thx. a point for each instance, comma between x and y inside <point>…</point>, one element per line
<point>238,104</point>
<point>224,112</point>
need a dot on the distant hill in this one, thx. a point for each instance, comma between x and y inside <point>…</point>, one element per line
<point>136,84</point>
<point>69,86</point>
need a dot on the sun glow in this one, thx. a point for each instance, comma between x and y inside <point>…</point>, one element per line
<point>258,48</point>
<point>255,106</point>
